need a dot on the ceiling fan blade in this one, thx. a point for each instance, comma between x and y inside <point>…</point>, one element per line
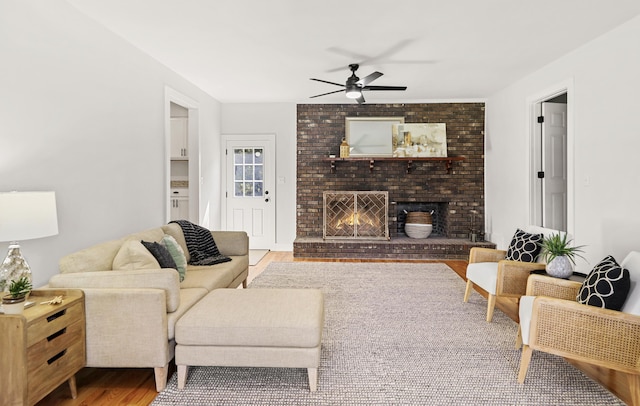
<point>384,88</point>
<point>360,99</point>
<point>382,57</point>
<point>324,94</point>
<point>326,81</point>
<point>369,78</point>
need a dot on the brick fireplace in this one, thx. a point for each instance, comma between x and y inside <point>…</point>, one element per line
<point>455,196</point>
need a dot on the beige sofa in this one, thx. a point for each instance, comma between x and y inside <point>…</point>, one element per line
<point>131,313</point>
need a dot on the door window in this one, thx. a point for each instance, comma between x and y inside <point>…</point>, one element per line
<point>248,172</point>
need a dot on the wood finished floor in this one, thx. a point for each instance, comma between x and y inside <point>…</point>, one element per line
<point>115,386</point>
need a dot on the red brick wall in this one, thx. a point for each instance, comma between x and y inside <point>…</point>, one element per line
<point>320,130</point>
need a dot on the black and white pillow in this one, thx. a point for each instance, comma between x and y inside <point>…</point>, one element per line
<point>524,247</point>
<point>606,286</point>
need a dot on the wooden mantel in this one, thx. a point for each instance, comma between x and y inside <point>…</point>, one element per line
<point>410,160</point>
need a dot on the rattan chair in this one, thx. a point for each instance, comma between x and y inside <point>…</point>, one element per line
<point>489,270</point>
<point>552,321</point>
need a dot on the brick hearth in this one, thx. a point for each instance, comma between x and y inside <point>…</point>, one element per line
<point>397,248</point>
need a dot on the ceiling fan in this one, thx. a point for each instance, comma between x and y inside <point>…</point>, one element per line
<point>354,85</point>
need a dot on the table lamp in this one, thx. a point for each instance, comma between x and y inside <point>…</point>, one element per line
<point>24,216</point>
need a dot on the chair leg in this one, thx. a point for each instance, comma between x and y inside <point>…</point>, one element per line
<point>634,388</point>
<point>525,359</point>
<point>519,338</point>
<point>467,291</point>
<point>490,306</point>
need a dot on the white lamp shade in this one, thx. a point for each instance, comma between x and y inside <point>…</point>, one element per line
<point>27,215</point>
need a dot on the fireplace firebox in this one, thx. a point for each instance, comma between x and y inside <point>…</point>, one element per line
<point>355,215</point>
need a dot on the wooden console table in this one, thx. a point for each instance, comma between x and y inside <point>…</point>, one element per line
<point>42,348</point>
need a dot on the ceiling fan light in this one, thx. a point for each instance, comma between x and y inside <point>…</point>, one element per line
<point>353,92</point>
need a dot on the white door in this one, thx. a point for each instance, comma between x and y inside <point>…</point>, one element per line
<point>250,188</point>
<point>554,164</point>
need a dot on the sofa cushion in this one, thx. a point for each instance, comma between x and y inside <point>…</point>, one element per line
<point>152,234</point>
<point>161,254</point>
<point>133,255</point>
<point>177,253</point>
<point>231,243</point>
<point>606,286</point>
<point>524,311</point>
<point>174,230</point>
<point>92,259</point>
<point>188,297</point>
<point>484,274</point>
<point>524,247</point>
<point>207,277</point>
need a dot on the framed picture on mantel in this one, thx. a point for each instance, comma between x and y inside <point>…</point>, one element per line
<point>371,136</point>
<point>420,140</point>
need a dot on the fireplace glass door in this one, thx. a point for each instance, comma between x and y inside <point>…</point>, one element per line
<point>356,215</point>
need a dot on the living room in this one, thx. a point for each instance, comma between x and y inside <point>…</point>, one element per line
<point>84,115</point>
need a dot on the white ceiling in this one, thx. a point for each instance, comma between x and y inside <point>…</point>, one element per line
<point>266,51</point>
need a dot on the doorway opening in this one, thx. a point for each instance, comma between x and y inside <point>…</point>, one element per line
<point>181,151</point>
<point>551,174</point>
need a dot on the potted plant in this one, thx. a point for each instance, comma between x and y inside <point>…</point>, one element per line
<point>13,303</point>
<point>559,255</point>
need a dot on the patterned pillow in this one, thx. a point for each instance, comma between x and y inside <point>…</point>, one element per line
<point>606,286</point>
<point>524,247</point>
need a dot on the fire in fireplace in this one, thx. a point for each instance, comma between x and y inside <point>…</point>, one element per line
<point>355,215</point>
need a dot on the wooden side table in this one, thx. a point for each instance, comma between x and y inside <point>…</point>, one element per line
<point>43,347</point>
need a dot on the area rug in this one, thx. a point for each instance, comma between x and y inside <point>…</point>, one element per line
<point>395,334</point>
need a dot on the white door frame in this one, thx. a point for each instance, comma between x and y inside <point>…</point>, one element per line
<point>535,194</point>
<point>173,96</point>
<point>262,137</point>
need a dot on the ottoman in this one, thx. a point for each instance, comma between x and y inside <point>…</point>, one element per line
<point>252,328</point>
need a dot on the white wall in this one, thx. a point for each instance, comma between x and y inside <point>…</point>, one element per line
<point>606,139</point>
<point>82,113</point>
<point>279,119</point>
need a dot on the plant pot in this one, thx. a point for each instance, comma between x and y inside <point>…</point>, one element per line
<point>11,305</point>
<point>560,267</point>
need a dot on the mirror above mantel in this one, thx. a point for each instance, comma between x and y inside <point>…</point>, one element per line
<point>371,136</point>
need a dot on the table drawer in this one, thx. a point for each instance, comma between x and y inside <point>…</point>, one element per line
<point>55,346</point>
<point>49,374</point>
<point>46,326</point>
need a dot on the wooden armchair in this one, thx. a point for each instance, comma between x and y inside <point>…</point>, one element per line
<point>551,320</point>
<point>489,270</point>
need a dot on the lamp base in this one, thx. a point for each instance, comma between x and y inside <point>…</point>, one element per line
<point>13,267</point>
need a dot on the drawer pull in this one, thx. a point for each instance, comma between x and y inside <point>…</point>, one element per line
<point>56,357</point>
<point>57,334</point>
<point>56,315</point>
